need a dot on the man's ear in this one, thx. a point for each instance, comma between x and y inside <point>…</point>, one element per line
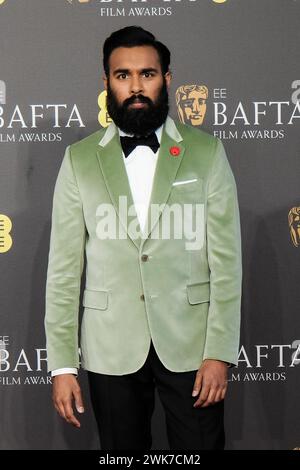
<point>104,78</point>
<point>168,77</point>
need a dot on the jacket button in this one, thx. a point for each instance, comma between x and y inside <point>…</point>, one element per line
<point>145,257</point>
<point>142,297</point>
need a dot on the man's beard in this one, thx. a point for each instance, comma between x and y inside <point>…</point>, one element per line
<point>139,121</point>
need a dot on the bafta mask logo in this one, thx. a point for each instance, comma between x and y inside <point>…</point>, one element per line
<point>191,103</point>
<point>294,224</point>
<point>103,116</point>
<point>5,238</point>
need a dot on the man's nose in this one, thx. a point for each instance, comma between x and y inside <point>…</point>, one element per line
<point>136,84</point>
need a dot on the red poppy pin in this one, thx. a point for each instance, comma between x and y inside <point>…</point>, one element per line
<point>175,151</point>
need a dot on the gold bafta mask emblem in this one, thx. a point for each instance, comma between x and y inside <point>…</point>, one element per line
<point>191,103</point>
<point>103,116</point>
<point>294,224</point>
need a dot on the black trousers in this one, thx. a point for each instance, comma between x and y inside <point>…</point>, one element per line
<point>123,406</point>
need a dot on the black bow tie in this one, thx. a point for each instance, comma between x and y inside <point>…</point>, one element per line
<point>129,143</point>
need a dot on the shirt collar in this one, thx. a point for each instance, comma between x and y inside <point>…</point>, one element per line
<point>158,132</point>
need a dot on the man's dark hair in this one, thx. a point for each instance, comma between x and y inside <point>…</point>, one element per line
<point>132,36</point>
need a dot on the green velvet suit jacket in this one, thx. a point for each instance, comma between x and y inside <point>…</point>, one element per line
<point>187,299</point>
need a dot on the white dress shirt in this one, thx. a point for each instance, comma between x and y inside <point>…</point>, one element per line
<point>140,167</point>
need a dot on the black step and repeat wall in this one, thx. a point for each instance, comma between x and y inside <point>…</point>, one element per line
<point>236,75</point>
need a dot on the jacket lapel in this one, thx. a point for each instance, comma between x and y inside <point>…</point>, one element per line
<point>116,180</point>
<point>165,172</point>
<point>115,177</point>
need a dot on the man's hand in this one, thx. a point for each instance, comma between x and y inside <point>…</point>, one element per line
<point>65,389</point>
<point>211,382</point>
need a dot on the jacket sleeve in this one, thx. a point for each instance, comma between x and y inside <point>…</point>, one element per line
<point>65,265</point>
<point>225,263</point>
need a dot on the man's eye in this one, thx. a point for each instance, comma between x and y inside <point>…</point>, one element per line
<point>148,74</point>
<point>122,75</point>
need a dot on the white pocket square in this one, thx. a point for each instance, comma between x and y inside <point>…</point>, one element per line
<point>177,183</point>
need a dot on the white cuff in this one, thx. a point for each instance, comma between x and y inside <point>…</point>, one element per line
<point>64,370</point>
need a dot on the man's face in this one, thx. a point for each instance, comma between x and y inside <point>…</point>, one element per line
<point>137,91</point>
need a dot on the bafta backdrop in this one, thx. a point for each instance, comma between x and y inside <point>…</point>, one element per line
<point>236,75</point>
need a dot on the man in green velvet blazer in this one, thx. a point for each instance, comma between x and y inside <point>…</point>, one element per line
<point>176,283</point>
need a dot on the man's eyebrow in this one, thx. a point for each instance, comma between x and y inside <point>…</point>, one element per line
<point>148,69</point>
<point>120,71</point>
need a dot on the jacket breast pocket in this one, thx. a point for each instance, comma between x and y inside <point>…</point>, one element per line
<point>188,185</point>
<point>198,293</point>
<point>97,299</point>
